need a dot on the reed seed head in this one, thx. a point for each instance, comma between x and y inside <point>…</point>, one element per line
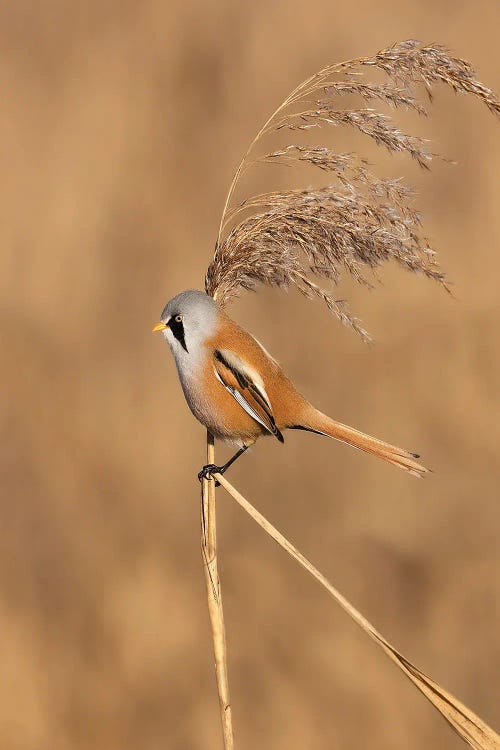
<point>358,221</point>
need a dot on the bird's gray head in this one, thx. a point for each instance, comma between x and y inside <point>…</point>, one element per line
<point>187,321</point>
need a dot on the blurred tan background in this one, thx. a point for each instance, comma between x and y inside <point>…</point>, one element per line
<point>121,125</point>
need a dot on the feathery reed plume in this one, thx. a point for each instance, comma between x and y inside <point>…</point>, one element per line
<point>358,222</point>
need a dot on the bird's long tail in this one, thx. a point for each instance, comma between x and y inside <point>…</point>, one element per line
<point>315,421</point>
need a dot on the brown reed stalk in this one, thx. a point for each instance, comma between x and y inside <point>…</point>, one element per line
<point>214,596</point>
<point>465,722</point>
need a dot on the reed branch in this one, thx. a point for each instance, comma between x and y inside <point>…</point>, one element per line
<point>214,596</point>
<point>465,722</point>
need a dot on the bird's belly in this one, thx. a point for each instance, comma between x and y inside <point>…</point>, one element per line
<point>215,408</point>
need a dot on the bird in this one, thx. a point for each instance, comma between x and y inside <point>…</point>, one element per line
<point>240,393</point>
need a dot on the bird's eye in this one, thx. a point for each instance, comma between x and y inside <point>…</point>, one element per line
<point>178,318</point>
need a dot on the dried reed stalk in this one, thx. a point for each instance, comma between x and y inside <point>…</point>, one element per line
<point>465,723</point>
<point>214,596</point>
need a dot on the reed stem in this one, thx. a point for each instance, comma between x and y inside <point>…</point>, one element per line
<point>214,596</point>
<point>473,730</point>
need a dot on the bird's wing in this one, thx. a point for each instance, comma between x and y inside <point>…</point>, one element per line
<point>246,387</point>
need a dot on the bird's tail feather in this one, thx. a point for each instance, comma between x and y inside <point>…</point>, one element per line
<point>315,421</point>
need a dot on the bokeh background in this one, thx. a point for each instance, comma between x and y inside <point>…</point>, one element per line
<point>121,125</point>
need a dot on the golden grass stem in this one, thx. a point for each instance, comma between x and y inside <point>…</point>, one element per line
<point>464,721</point>
<point>214,596</point>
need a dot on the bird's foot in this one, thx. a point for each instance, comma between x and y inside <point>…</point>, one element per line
<point>208,470</point>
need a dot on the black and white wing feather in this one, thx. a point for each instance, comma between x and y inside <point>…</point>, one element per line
<point>246,387</point>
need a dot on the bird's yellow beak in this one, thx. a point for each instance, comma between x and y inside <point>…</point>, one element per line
<point>160,327</point>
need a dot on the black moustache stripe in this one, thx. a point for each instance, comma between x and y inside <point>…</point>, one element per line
<point>177,329</point>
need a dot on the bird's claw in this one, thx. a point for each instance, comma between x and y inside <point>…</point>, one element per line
<point>208,470</point>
